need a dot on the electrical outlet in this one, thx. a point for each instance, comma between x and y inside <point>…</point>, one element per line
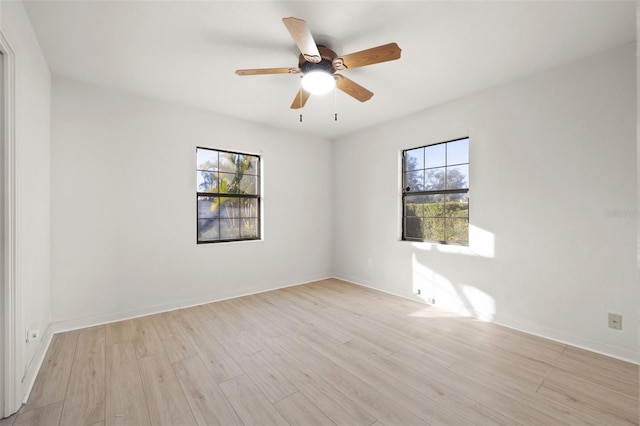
<point>431,301</point>
<point>615,321</point>
<point>418,292</point>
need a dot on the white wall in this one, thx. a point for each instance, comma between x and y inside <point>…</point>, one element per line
<point>124,209</point>
<point>32,190</point>
<point>551,154</point>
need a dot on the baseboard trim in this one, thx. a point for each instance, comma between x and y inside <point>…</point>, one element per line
<point>577,342</point>
<point>34,366</point>
<point>63,326</point>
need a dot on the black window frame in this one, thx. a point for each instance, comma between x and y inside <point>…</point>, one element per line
<point>239,196</point>
<point>407,191</point>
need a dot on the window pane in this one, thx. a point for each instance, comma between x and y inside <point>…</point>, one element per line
<point>253,165</point>
<point>413,228</point>
<point>229,229</point>
<point>208,230</point>
<point>433,228</point>
<point>434,179</point>
<point>434,156</point>
<point>248,185</point>
<point>226,183</point>
<point>229,207</point>
<point>413,205</point>
<point>207,181</point>
<point>207,207</point>
<point>433,205</point>
<point>458,177</point>
<point>457,230</point>
<point>206,159</point>
<point>249,228</point>
<point>414,159</point>
<point>228,162</point>
<point>458,152</point>
<point>249,207</point>
<point>414,181</point>
<point>457,205</point>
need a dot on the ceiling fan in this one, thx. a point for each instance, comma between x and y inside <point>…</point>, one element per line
<point>318,65</point>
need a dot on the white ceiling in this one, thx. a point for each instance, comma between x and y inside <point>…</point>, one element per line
<point>187,51</point>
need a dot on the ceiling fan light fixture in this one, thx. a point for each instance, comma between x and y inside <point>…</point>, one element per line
<point>318,82</point>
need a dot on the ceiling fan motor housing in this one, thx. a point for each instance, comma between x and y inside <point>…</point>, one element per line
<point>325,65</point>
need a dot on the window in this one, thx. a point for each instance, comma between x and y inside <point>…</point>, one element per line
<point>228,196</point>
<point>435,195</point>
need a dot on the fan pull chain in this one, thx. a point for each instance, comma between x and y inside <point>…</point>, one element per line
<point>335,104</point>
<point>300,93</point>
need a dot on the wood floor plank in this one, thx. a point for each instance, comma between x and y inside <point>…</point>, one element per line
<point>120,331</point>
<point>52,379</point>
<point>252,407</point>
<point>297,409</point>
<point>510,388</point>
<point>333,403</point>
<point>225,309</point>
<point>174,341</point>
<point>485,400</point>
<point>259,327</point>
<point>165,399</point>
<point>497,375</point>
<point>203,312</point>
<point>125,398</point>
<point>616,375</point>
<point>91,342</point>
<point>386,381</point>
<point>145,337</point>
<point>271,315</point>
<point>590,398</point>
<point>386,337</point>
<point>369,398</point>
<point>47,415</point>
<point>272,383</point>
<point>486,354</point>
<point>237,342</point>
<point>220,364</point>
<point>85,395</point>
<point>206,399</point>
<point>311,319</point>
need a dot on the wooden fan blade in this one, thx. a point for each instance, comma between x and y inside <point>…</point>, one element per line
<point>263,71</point>
<point>300,99</point>
<point>375,55</point>
<point>303,38</point>
<point>352,88</point>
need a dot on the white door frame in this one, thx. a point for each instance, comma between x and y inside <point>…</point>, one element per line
<point>10,386</point>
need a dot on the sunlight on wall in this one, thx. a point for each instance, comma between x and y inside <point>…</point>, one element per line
<point>463,299</point>
<point>481,243</point>
<point>483,306</point>
<point>437,289</point>
<point>423,279</point>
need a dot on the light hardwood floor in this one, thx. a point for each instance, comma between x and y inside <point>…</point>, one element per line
<point>321,354</point>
